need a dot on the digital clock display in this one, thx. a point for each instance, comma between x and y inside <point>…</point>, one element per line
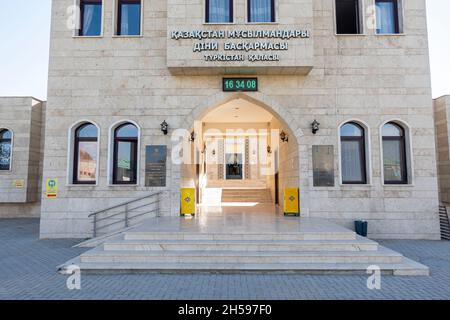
<point>240,84</point>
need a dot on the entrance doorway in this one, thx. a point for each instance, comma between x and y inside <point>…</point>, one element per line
<point>233,166</point>
<point>242,161</point>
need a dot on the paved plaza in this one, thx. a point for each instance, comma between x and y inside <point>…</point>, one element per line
<point>28,271</point>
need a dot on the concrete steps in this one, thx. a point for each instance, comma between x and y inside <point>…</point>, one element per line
<point>308,252</point>
<point>252,183</point>
<point>406,268</point>
<point>238,245</point>
<point>238,236</point>
<point>246,195</point>
<point>382,255</point>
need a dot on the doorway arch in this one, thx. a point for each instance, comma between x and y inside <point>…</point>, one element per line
<point>281,115</point>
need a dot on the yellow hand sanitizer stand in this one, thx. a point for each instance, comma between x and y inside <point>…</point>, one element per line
<point>291,202</point>
<point>187,201</point>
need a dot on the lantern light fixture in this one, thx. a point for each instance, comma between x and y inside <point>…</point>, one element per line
<point>165,127</point>
<point>315,126</point>
<point>284,137</point>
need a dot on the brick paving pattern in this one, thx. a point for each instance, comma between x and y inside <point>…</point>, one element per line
<point>28,271</point>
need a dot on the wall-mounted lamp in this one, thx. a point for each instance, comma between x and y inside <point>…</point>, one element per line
<point>284,137</point>
<point>165,127</point>
<point>315,126</point>
<point>269,150</point>
<point>192,137</point>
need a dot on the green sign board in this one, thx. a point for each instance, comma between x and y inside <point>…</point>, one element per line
<point>240,84</point>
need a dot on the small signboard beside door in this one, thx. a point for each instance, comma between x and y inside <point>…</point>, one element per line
<point>51,188</point>
<point>155,166</point>
<point>323,166</point>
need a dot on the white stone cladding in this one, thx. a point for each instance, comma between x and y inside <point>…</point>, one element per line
<point>294,22</point>
<point>20,187</point>
<point>441,120</point>
<point>369,78</point>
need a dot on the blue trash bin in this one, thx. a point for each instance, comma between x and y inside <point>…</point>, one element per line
<point>361,228</point>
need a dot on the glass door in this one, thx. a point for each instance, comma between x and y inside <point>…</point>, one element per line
<point>233,166</point>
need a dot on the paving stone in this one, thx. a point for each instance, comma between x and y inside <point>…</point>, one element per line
<point>28,271</point>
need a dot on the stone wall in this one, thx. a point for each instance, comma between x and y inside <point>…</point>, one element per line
<point>441,120</point>
<point>371,78</point>
<point>288,163</point>
<point>188,16</point>
<point>20,187</point>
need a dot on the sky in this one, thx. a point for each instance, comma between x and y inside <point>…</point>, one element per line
<point>24,47</point>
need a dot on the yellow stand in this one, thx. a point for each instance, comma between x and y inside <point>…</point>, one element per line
<point>291,202</point>
<point>187,201</point>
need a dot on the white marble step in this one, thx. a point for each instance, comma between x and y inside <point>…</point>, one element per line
<point>237,192</point>
<point>164,235</point>
<point>246,195</point>
<point>362,244</point>
<point>406,267</point>
<point>243,193</point>
<point>382,255</point>
<point>243,196</point>
<point>237,184</point>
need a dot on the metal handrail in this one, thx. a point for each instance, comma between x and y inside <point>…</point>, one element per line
<point>124,203</point>
<point>126,212</point>
<point>129,209</point>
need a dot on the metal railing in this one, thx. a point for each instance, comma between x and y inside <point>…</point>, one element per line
<point>125,215</point>
<point>444,219</point>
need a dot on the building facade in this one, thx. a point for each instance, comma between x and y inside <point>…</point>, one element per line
<point>239,84</point>
<point>441,115</point>
<point>22,133</point>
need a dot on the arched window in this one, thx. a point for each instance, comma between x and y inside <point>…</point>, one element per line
<point>85,154</point>
<point>353,154</point>
<point>125,154</point>
<point>5,149</point>
<point>394,154</point>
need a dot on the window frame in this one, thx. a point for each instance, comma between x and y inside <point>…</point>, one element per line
<point>273,17</point>
<point>361,20</point>
<point>70,152</point>
<point>11,141</point>
<point>115,144</point>
<point>398,7</point>
<point>403,154</point>
<point>365,166</point>
<point>206,13</point>
<point>78,32</point>
<point>118,18</point>
<point>76,149</point>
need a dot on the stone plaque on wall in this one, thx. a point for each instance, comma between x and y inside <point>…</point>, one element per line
<point>323,166</point>
<point>155,166</point>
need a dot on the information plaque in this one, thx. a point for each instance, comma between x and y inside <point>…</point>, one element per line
<point>155,166</point>
<point>323,166</point>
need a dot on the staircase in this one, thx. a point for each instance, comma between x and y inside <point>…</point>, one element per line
<point>246,183</point>
<point>445,223</point>
<point>316,250</point>
<point>247,195</point>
